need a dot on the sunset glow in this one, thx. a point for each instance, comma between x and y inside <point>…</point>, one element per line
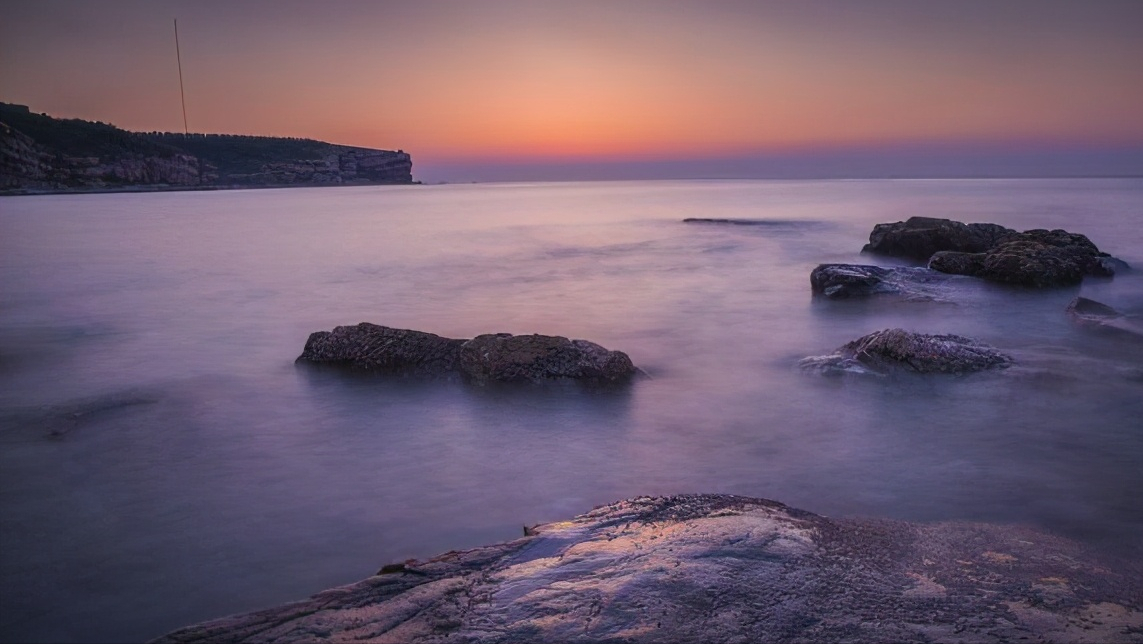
<point>554,80</point>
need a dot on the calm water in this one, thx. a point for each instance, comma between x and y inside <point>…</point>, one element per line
<point>163,461</point>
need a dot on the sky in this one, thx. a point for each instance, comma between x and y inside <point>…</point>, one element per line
<point>537,89</point>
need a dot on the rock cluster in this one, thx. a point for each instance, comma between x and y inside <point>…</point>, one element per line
<point>1033,258</point>
<point>1036,258</point>
<point>900,350</point>
<point>713,568</point>
<point>499,357</point>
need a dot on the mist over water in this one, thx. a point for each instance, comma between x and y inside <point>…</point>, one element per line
<point>164,461</point>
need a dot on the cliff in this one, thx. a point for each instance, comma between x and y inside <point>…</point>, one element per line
<point>39,153</point>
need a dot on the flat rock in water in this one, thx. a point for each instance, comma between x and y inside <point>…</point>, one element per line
<point>715,568</point>
<point>500,357</point>
<point>766,223</point>
<point>840,281</point>
<point>372,347</point>
<point>900,350</point>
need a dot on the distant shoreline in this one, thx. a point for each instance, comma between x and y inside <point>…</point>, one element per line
<point>32,192</point>
<point>36,192</point>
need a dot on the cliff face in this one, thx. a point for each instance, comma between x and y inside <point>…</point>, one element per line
<point>343,165</point>
<point>40,153</point>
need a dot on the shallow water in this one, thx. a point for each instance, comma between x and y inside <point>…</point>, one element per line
<point>164,461</point>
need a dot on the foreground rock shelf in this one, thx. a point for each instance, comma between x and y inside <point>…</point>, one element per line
<point>712,568</point>
<point>498,357</point>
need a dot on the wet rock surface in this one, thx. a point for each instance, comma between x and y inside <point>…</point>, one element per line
<point>900,350</point>
<point>840,281</point>
<point>1101,317</point>
<point>500,357</point>
<point>1036,258</point>
<point>703,568</point>
<point>919,237</point>
<point>509,358</point>
<point>372,347</point>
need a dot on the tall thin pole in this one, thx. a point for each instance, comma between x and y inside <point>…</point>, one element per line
<point>182,94</point>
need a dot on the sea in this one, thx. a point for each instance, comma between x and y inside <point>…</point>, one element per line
<point>164,460</point>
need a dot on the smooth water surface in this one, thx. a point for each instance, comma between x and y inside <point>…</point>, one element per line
<point>164,461</point>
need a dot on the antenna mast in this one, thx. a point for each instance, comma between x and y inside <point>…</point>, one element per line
<point>182,94</point>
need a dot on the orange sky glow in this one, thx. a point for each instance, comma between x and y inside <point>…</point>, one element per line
<point>532,79</point>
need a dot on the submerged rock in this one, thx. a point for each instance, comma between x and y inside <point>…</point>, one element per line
<point>838,281</point>
<point>919,237</point>
<point>715,568</point>
<point>1099,316</point>
<point>501,357</point>
<point>768,223</point>
<point>899,350</point>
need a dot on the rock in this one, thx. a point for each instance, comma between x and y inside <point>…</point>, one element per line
<point>380,348</point>
<point>1037,258</point>
<point>1113,265</point>
<point>765,223</point>
<point>500,357</point>
<point>507,358</point>
<point>1101,317</point>
<point>957,263</point>
<point>839,281</point>
<point>1084,309</point>
<point>919,237</point>
<point>899,350</point>
<point>715,568</point>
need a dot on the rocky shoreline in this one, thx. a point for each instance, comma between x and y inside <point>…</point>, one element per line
<point>717,568</point>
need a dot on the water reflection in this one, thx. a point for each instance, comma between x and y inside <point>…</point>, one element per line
<point>250,480</point>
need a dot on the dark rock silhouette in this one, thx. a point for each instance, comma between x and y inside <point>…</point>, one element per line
<point>1037,258</point>
<point>372,347</point>
<point>507,358</point>
<point>500,357</point>
<point>900,350</point>
<point>715,568</point>
<point>919,237</point>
